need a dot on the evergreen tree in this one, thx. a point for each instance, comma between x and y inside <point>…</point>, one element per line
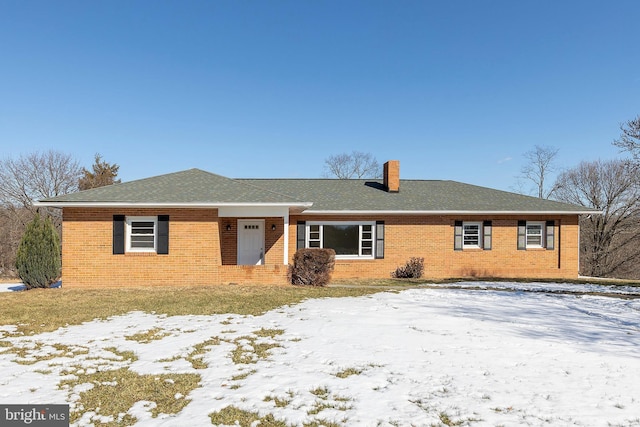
<point>103,174</point>
<point>38,260</point>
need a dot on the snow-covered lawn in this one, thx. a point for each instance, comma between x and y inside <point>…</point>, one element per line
<point>415,357</point>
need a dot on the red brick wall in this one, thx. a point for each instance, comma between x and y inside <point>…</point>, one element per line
<point>196,255</point>
<point>431,237</point>
<point>202,251</point>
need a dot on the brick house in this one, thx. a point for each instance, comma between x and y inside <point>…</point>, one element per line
<point>195,227</point>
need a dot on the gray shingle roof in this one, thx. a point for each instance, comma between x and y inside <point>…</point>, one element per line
<point>414,195</point>
<point>193,186</point>
<point>196,187</point>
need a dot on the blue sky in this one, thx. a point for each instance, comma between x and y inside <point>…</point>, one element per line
<point>453,89</point>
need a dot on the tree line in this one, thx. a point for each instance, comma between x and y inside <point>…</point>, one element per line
<point>37,176</point>
<point>609,243</point>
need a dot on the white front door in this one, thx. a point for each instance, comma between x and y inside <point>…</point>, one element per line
<point>250,241</point>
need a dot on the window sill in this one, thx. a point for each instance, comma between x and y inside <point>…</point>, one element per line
<point>141,253</point>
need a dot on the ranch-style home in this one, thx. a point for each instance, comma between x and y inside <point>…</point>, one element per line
<point>198,228</point>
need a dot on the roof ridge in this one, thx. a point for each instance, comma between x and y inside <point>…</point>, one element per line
<point>200,187</point>
<point>246,184</point>
<point>267,190</point>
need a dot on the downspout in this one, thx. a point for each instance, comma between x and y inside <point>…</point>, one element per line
<point>286,238</point>
<point>560,243</point>
<point>579,245</point>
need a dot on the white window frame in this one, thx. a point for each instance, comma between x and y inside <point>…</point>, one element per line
<point>542,226</point>
<point>360,224</point>
<point>480,234</point>
<point>131,219</point>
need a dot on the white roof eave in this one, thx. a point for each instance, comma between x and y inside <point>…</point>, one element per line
<point>305,206</point>
<point>165,205</point>
<point>448,212</point>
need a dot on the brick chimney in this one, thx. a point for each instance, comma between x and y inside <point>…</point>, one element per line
<point>391,173</point>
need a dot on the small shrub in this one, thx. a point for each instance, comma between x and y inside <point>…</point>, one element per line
<point>38,260</point>
<point>413,269</point>
<point>312,267</point>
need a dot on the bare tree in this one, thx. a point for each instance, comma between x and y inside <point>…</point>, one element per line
<point>610,243</point>
<point>352,165</point>
<point>629,139</point>
<point>103,174</point>
<point>23,181</point>
<point>37,176</point>
<point>12,225</point>
<point>540,165</point>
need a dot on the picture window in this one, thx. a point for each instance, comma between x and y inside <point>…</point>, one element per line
<point>350,240</point>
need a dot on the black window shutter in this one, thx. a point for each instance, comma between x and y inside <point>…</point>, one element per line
<point>522,235</point>
<point>118,234</point>
<point>301,232</point>
<point>550,239</point>
<point>162,246</point>
<point>457,237</point>
<point>379,239</point>
<point>486,231</point>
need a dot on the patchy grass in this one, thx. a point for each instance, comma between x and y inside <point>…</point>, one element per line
<point>448,421</point>
<point>114,392</point>
<point>445,418</point>
<point>231,415</point>
<point>323,423</point>
<point>195,357</point>
<point>243,375</point>
<point>146,337</point>
<point>37,352</point>
<point>271,333</point>
<point>250,350</point>
<point>278,401</point>
<point>325,400</point>
<point>348,372</point>
<point>321,392</point>
<point>44,310</point>
<point>234,416</point>
<point>123,355</point>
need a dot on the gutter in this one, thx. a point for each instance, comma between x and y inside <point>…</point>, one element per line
<point>448,212</point>
<point>165,205</point>
<point>307,205</point>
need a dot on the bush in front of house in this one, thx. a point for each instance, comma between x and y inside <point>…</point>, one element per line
<point>413,269</point>
<point>312,267</point>
<point>38,260</point>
